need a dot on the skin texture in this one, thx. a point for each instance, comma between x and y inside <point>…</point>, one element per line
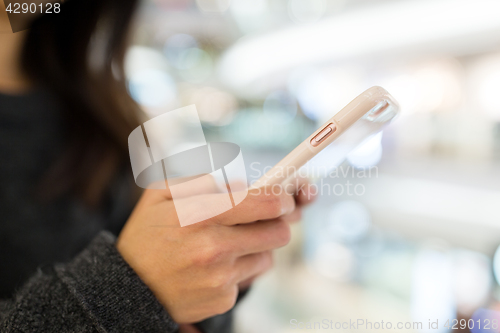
<point>197,270</point>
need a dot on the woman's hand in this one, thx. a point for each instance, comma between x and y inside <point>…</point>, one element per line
<point>194,271</point>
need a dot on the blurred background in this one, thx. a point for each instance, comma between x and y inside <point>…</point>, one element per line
<point>417,241</point>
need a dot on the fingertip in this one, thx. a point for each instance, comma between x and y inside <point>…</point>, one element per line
<point>275,199</point>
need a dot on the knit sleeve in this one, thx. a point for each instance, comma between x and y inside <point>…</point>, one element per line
<point>96,292</point>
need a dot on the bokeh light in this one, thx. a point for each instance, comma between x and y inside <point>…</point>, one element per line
<point>473,280</point>
<point>368,153</point>
<point>250,15</point>
<point>140,58</point>
<point>334,260</point>
<point>149,80</point>
<point>371,245</point>
<point>427,87</point>
<point>152,88</point>
<point>432,293</point>
<point>496,265</point>
<point>213,6</point>
<point>196,65</point>
<point>177,47</point>
<point>280,103</point>
<point>306,11</point>
<point>322,93</point>
<point>485,77</point>
<point>348,221</point>
<point>215,107</point>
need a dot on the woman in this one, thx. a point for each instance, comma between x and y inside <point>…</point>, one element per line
<point>66,191</point>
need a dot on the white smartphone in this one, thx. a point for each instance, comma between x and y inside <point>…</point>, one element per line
<point>363,117</point>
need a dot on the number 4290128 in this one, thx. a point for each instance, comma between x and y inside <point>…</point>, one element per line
<point>23,8</point>
<point>484,324</point>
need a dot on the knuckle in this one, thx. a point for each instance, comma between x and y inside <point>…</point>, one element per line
<point>220,280</point>
<point>273,206</point>
<point>227,302</point>
<point>211,253</point>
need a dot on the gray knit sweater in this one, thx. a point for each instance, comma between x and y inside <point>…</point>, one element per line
<point>95,292</point>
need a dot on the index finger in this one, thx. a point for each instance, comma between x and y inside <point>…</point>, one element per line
<point>260,204</point>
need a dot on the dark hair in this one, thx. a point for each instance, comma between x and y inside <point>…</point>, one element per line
<point>78,56</point>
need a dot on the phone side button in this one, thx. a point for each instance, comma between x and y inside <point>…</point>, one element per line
<point>326,132</point>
